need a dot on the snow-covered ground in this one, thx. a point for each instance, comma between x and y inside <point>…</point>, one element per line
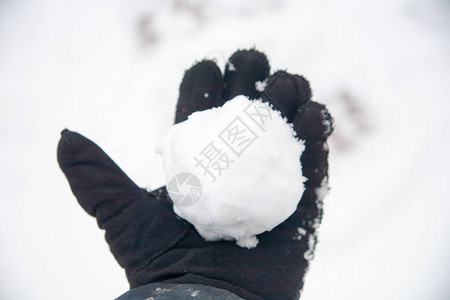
<point>111,70</point>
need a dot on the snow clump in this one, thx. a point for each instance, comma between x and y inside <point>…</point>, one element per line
<point>233,171</point>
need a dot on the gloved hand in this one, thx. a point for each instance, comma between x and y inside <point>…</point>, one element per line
<point>153,244</point>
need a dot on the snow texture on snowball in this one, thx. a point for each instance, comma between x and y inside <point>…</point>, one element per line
<point>247,159</point>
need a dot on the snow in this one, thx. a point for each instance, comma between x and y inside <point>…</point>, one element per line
<point>111,70</point>
<point>246,145</point>
<point>301,233</point>
<point>309,254</point>
<point>230,66</point>
<point>326,122</point>
<point>323,190</point>
<point>260,85</point>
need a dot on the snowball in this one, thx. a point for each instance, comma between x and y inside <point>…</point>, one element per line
<point>233,171</point>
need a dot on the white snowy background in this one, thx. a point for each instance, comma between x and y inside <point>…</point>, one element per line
<point>111,70</point>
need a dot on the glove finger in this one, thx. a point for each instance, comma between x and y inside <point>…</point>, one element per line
<point>201,89</point>
<point>139,225</point>
<point>313,122</point>
<point>100,186</point>
<point>287,93</point>
<point>308,214</point>
<point>314,125</point>
<point>314,161</point>
<point>244,69</point>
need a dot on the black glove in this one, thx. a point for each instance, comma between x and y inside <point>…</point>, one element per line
<point>153,244</point>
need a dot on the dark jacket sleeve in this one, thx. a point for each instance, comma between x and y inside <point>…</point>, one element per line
<point>166,291</point>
